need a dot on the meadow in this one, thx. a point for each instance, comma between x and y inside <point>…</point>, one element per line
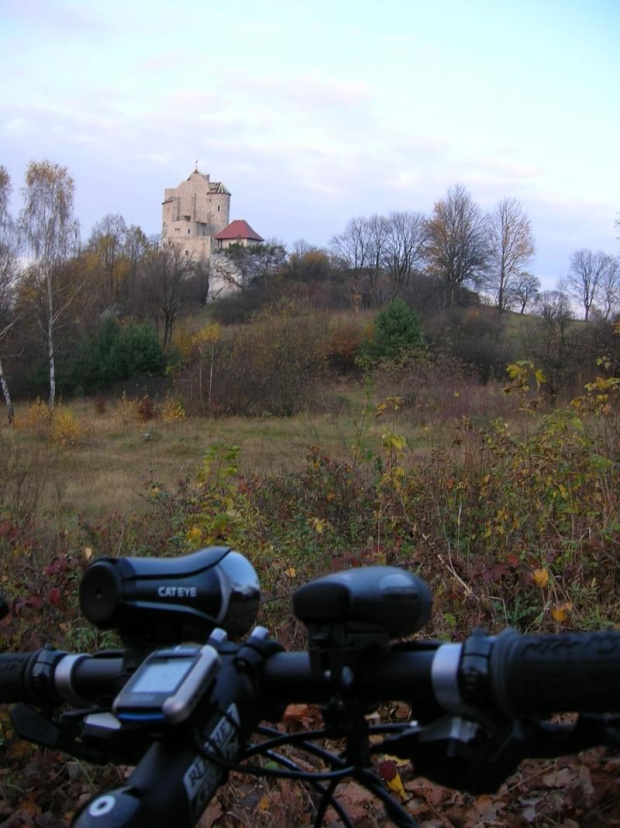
<point>508,507</point>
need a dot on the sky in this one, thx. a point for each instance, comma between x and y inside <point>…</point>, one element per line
<point>313,112</point>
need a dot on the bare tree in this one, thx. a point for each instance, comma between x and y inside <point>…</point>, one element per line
<point>406,249</point>
<point>5,192</point>
<point>458,249</point>
<point>164,270</point>
<point>352,251</point>
<point>52,235</point>
<point>107,242</point>
<point>136,245</point>
<point>308,263</point>
<point>9,252</point>
<point>511,250</point>
<point>378,231</point>
<point>609,294</point>
<point>526,290</point>
<point>301,248</point>
<point>553,306</point>
<point>585,277</point>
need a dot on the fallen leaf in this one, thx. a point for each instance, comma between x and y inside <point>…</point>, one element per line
<point>540,577</point>
<point>211,815</point>
<point>303,715</point>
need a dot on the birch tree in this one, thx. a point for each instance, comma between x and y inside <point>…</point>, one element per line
<point>9,251</point>
<point>51,233</point>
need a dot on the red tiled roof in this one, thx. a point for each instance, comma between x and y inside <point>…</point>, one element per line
<point>238,229</point>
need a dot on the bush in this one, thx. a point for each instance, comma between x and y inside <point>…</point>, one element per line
<point>269,367</point>
<point>66,431</point>
<point>343,346</point>
<point>145,409</point>
<point>476,337</point>
<point>240,307</point>
<point>37,419</point>
<point>172,411</point>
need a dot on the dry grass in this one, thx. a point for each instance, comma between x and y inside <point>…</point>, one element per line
<point>116,456</point>
<point>113,457</point>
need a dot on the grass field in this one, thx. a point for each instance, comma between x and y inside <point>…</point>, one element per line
<point>112,459</point>
<point>104,460</point>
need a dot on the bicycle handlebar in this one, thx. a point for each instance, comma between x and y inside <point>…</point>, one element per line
<point>486,684</point>
<point>556,673</point>
<point>517,674</point>
<point>507,675</point>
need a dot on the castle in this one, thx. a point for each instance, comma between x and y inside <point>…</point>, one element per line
<point>196,216</point>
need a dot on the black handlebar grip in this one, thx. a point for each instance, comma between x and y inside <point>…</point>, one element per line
<point>13,677</point>
<point>543,674</point>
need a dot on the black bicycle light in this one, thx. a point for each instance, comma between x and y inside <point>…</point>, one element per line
<point>373,597</point>
<point>155,601</point>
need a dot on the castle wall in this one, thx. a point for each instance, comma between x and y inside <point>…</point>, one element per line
<point>194,212</point>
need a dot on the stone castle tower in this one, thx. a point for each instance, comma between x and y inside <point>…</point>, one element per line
<point>194,213</point>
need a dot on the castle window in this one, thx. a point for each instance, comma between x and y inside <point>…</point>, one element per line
<point>188,232</point>
<point>218,208</point>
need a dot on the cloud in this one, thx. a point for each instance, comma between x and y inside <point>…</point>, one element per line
<point>303,90</point>
<point>174,59</point>
<point>301,154</point>
<point>59,17</point>
<point>35,122</point>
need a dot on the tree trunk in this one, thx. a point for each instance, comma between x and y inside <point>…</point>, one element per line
<point>50,341</point>
<point>7,395</point>
<point>211,373</point>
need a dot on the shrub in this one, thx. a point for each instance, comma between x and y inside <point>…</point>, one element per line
<point>65,430</point>
<point>145,409</point>
<point>343,346</point>
<point>269,367</point>
<point>24,472</point>
<point>127,409</point>
<point>172,411</point>
<point>38,417</point>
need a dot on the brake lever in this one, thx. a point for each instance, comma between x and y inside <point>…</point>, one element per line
<point>34,727</point>
<point>459,754</point>
<point>590,730</point>
<point>91,735</point>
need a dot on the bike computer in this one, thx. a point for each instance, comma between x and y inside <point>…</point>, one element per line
<point>167,686</point>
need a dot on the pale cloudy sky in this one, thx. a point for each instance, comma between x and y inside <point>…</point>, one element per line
<point>314,111</point>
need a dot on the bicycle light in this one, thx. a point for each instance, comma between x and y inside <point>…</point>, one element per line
<point>380,597</point>
<point>154,601</point>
